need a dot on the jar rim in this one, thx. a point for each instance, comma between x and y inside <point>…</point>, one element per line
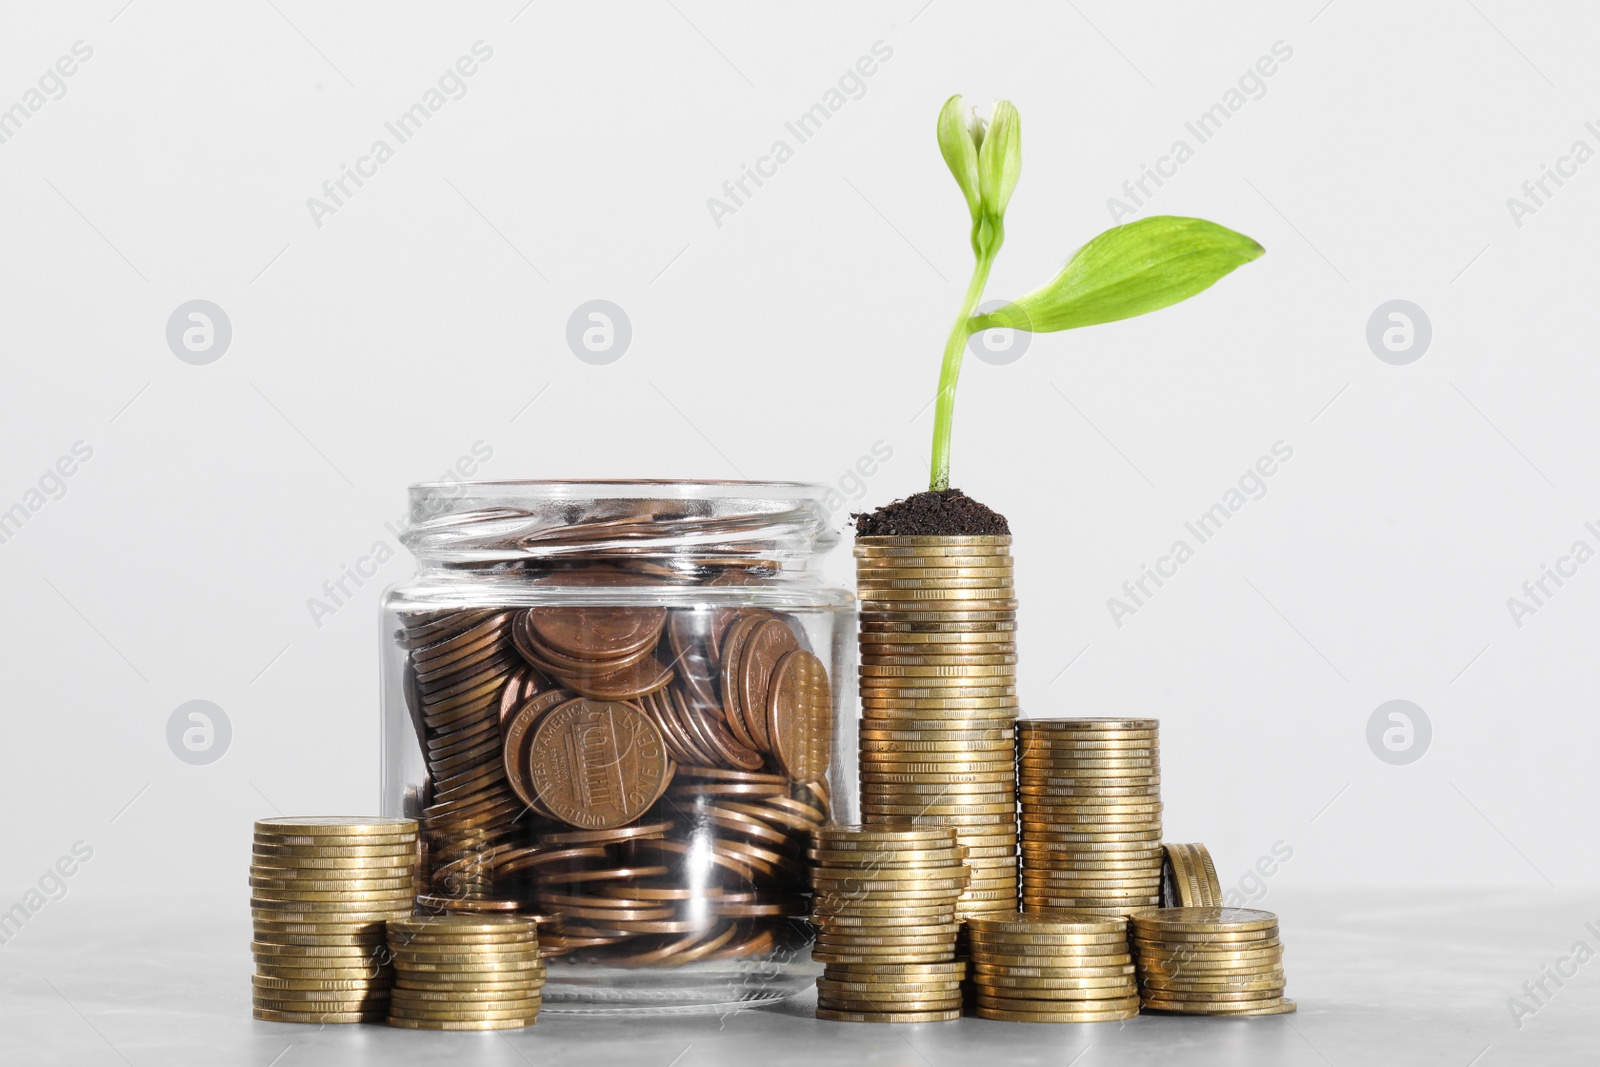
<point>681,488</point>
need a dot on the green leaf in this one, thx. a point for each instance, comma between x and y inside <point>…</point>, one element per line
<point>1000,159</point>
<point>960,134</point>
<point>1129,270</point>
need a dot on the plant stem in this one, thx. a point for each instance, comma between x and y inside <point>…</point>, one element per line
<point>950,373</point>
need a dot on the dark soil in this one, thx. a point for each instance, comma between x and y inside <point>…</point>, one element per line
<point>929,514</point>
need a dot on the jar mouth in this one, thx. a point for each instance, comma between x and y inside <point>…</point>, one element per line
<point>676,523</point>
<point>678,488</point>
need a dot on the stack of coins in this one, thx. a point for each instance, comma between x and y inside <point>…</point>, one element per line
<point>1209,961</point>
<point>1091,814</point>
<point>462,674</point>
<point>465,972</point>
<point>939,697</point>
<point>885,903</point>
<point>320,891</point>
<point>1189,878</point>
<point>1053,967</point>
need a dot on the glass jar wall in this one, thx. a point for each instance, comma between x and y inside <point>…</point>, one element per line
<point>621,708</point>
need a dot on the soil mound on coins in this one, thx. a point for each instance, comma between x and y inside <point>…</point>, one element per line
<point>930,514</point>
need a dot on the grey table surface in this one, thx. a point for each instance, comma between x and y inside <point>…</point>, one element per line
<point>1381,976</point>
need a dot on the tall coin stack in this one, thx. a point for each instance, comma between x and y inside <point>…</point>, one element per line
<point>1090,791</point>
<point>465,972</point>
<point>885,904</point>
<point>320,892</point>
<point>1209,961</point>
<point>939,697</point>
<point>1053,967</point>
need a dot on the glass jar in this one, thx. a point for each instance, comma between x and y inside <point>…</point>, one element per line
<point>621,707</point>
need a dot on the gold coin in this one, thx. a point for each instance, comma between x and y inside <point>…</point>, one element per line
<point>1158,967</point>
<point>406,955</point>
<point>1120,972</point>
<point>466,979</point>
<point>889,1017</point>
<point>1165,954</point>
<point>278,886</point>
<point>1175,1001</point>
<point>1176,921</point>
<point>912,809</point>
<point>272,866</point>
<point>965,792</point>
<point>1093,725</point>
<point>366,946</point>
<point>995,633</point>
<point>467,963</point>
<point>1113,1000</point>
<point>1193,984</point>
<point>987,567</point>
<point>360,1006</point>
<point>899,955</point>
<point>862,835</point>
<point>1114,1014</point>
<point>898,1004</point>
<point>318,1017</point>
<point>921,971</point>
<point>1045,743</point>
<point>1061,997</point>
<point>372,974</point>
<point>1063,925</point>
<point>314,898</point>
<point>464,925</point>
<point>1195,939</point>
<point>466,998</point>
<point>846,942</point>
<point>517,1011</point>
<point>903,708</point>
<point>335,825</point>
<point>1282,1007</point>
<point>278,853</point>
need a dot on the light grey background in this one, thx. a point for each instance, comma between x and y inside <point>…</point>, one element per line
<point>429,314</point>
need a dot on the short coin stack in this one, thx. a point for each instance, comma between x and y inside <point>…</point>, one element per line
<point>465,972</point>
<point>320,891</point>
<point>1053,967</point>
<point>1090,791</point>
<point>939,698</point>
<point>885,903</point>
<point>1209,961</point>
<point>1189,878</point>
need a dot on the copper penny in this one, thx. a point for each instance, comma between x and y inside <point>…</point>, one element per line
<point>767,643</point>
<point>732,645</point>
<point>597,632</point>
<point>518,734</point>
<point>799,708</point>
<point>709,731</point>
<point>679,746</point>
<point>598,764</point>
<point>629,683</point>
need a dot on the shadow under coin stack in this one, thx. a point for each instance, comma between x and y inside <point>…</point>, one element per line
<point>1189,878</point>
<point>1090,791</point>
<point>1209,961</point>
<point>465,972</point>
<point>939,698</point>
<point>320,892</point>
<point>885,903</point>
<point>1053,967</point>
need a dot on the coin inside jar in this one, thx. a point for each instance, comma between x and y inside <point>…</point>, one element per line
<point>598,765</point>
